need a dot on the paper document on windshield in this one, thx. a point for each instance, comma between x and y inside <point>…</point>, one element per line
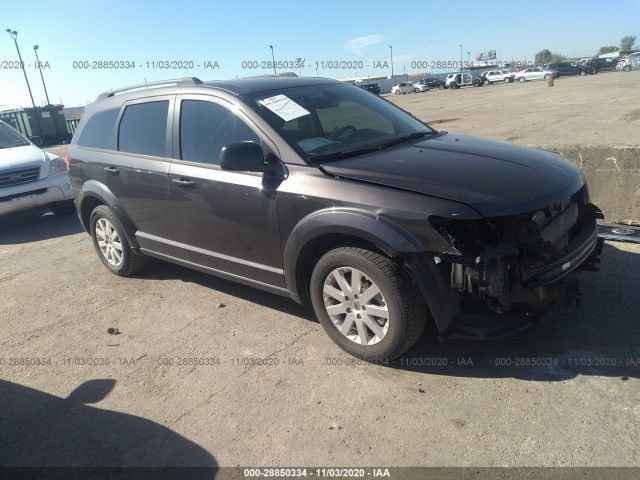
<point>284,107</point>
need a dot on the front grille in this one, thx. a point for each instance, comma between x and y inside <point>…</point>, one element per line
<point>19,176</point>
<point>560,225</point>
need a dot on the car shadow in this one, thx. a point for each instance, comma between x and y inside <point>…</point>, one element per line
<point>160,270</point>
<point>598,338</point>
<point>36,225</point>
<point>41,430</point>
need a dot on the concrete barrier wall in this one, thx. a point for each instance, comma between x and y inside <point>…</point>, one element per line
<point>613,174</point>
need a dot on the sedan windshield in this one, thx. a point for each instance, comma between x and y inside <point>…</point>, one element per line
<point>9,138</point>
<point>331,122</point>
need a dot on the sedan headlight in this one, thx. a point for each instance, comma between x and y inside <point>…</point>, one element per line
<point>57,165</point>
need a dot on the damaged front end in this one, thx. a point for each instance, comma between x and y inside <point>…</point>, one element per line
<point>507,272</point>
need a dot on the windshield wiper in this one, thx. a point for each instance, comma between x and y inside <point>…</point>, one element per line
<point>345,154</point>
<point>405,138</point>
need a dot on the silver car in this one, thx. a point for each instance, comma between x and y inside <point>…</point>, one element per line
<point>535,73</point>
<point>31,178</point>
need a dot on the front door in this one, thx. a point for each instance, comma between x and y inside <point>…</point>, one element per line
<point>228,220</point>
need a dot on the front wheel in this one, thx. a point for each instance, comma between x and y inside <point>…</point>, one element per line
<point>111,243</point>
<point>416,90</point>
<point>506,80</point>
<point>441,87</point>
<point>366,303</point>
<point>453,85</point>
<point>522,79</point>
<point>547,76</point>
<point>398,92</point>
<point>583,73</point>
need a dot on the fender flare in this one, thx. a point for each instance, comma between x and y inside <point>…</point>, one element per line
<point>99,191</point>
<point>385,235</point>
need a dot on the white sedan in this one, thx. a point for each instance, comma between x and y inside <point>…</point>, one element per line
<point>402,88</point>
<point>534,73</point>
<point>418,88</point>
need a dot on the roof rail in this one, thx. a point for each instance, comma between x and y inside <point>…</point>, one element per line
<point>177,81</point>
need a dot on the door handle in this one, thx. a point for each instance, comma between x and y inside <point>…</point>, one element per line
<point>184,182</point>
<point>112,170</point>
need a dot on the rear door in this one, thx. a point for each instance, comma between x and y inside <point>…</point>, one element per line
<point>229,220</point>
<point>137,173</point>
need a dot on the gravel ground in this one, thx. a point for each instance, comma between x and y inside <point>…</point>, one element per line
<point>566,395</point>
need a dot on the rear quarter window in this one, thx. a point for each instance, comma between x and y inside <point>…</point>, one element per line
<point>98,133</point>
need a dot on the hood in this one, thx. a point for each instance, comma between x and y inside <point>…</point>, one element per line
<point>495,178</point>
<point>18,157</point>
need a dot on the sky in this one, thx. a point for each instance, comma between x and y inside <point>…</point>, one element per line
<point>354,36</point>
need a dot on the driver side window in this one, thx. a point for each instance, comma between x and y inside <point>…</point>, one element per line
<point>206,127</point>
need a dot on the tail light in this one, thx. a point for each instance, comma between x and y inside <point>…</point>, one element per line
<point>67,160</point>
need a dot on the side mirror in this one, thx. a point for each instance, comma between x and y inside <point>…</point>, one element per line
<point>37,141</point>
<point>243,157</point>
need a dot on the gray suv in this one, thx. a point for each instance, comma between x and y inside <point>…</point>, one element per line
<point>319,191</point>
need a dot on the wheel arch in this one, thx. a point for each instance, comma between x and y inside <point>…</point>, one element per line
<point>94,194</point>
<point>318,233</point>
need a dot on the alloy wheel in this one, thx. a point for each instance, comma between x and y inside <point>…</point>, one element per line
<point>109,242</point>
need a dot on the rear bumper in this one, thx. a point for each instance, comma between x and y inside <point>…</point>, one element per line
<point>39,194</point>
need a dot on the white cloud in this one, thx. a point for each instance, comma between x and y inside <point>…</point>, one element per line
<point>357,45</point>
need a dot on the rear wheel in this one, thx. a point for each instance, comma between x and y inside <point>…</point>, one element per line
<point>416,90</point>
<point>111,243</point>
<point>398,92</point>
<point>506,80</point>
<point>547,76</point>
<point>522,79</point>
<point>453,85</point>
<point>366,303</point>
<point>583,73</point>
<point>441,87</point>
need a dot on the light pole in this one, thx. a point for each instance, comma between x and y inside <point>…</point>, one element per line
<point>468,53</point>
<point>14,35</point>
<point>391,48</point>
<point>35,49</point>
<point>460,57</point>
<point>274,60</point>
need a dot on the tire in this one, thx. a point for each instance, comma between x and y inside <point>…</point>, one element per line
<point>547,76</point>
<point>393,294</point>
<point>507,80</point>
<point>398,92</point>
<point>63,208</point>
<point>115,253</point>
<point>416,90</point>
<point>453,85</point>
<point>441,87</point>
<point>626,68</point>
<point>522,79</point>
<point>583,73</point>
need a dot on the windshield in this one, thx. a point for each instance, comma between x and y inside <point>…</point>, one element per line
<point>329,122</point>
<point>10,138</point>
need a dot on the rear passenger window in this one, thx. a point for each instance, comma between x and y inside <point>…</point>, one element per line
<point>206,127</point>
<point>143,129</point>
<point>98,133</point>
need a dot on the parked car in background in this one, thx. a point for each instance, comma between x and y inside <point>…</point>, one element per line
<point>370,87</point>
<point>493,76</point>
<point>566,69</point>
<point>629,62</point>
<point>418,87</point>
<point>31,178</point>
<point>461,79</point>
<point>535,73</point>
<point>601,64</point>
<point>433,83</point>
<point>402,88</point>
